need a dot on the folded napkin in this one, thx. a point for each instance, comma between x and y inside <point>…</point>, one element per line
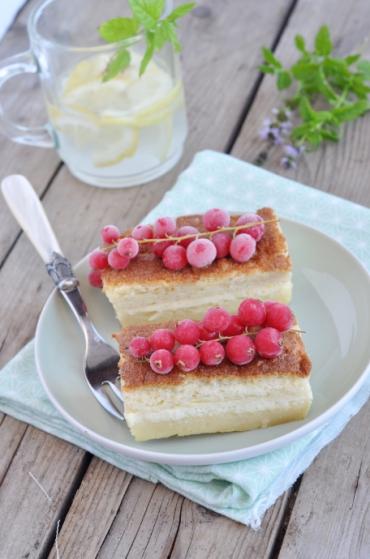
<point>241,490</point>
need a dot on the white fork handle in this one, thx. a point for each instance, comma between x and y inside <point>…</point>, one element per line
<point>28,211</point>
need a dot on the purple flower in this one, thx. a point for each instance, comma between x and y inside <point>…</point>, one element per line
<point>291,151</point>
<point>275,135</point>
<point>265,130</point>
<point>288,163</point>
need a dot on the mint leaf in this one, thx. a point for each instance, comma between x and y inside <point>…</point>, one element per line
<point>305,109</point>
<point>147,17</point>
<point>172,35</point>
<point>150,46</point>
<point>323,44</point>
<point>146,11</point>
<point>118,29</point>
<point>161,34</point>
<point>270,58</point>
<point>180,11</point>
<point>117,64</point>
<point>352,58</point>
<point>300,43</point>
<point>266,69</point>
<point>284,80</point>
<point>364,68</point>
<point>351,111</point>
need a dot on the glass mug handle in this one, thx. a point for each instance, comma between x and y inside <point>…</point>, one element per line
<point>30,135</point>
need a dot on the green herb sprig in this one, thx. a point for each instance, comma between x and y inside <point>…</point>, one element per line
<point>147,19</point>
<point>327,91</point>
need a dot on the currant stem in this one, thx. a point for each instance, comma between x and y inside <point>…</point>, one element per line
<point>197,235</point>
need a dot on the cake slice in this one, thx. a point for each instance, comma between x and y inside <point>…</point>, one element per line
<point>147,292</point>
<point>213,399</point>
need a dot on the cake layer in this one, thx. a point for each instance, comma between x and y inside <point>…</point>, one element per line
<point>148,292</point>
<point>201,405</point>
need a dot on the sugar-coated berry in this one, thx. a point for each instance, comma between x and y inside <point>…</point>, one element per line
<point>216,319</point>
<point>117,261</point>
<point>242,248</point>
<point>174,257</point>
<point>212,353</point>
<point>184,231</point>
<point>159,247</point>
<point>216,218</point>
<point>205,335</point>
<point>201,253</point>
<point>139,347</point>
<point>235,327</point>
<point>187,358</point>
<point>161,361</point>
<point>252,312</point>
<point>162,338</point>
<point>128,247</point>
<point>256,231</point>
<point>268,343</point>
<point>109,234</point>
<point>279,316</point>
<point>222,243</point>
<point>187,332</point>
<point>141,232</point>
<point>98,260</point>
<point>95,279</point>
<point>164,226</point>
<point>240,350</point>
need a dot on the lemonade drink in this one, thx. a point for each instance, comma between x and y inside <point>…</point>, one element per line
<point>124,130</point>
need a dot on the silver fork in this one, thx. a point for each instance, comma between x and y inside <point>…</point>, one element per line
<point>100,360</point>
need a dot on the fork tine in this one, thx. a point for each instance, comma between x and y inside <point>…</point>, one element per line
<point>108,403</point>
<point>116,391</point>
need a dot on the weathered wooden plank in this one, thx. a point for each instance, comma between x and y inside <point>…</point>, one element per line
<point>92,512</point>
<point>146,523</point>
<point>341,168</point>
<point>54,464</point>
<point>11,435</point>
<point>203,533</point>
<point>23,101</point>
<point>331,515</point>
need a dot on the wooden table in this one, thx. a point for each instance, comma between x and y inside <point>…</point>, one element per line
<point>104,512</point>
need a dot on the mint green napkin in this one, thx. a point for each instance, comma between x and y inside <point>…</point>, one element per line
<point>240,490</point>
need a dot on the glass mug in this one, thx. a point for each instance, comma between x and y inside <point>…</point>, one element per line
<point>118,133</point>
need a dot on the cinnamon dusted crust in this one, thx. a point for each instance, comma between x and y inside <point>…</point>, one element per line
<point>135,373</point>
<point>271,256</point>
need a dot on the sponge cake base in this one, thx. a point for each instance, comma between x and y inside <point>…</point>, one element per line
<point>216,406</point>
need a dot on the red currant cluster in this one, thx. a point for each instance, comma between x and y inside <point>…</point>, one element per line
<point>179,247</point>
<point>256,329</point>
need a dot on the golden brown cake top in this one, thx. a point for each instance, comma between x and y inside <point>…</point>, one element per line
<point>271,256</point>
<point>136,373</point>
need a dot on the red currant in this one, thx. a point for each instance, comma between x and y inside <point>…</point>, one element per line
<point>216,319</point>
<point>187,332</point>
<point>212,353</point>
<point>162,338</point>
<point>252,312</point>
<point>187,358</point>
<point>279,316</point>
<point>268,342</point>
<point>240,350</point>
<point>139,347</point>
<point>161,361</point>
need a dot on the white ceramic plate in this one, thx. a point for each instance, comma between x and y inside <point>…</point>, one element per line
<point>331,299</point>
